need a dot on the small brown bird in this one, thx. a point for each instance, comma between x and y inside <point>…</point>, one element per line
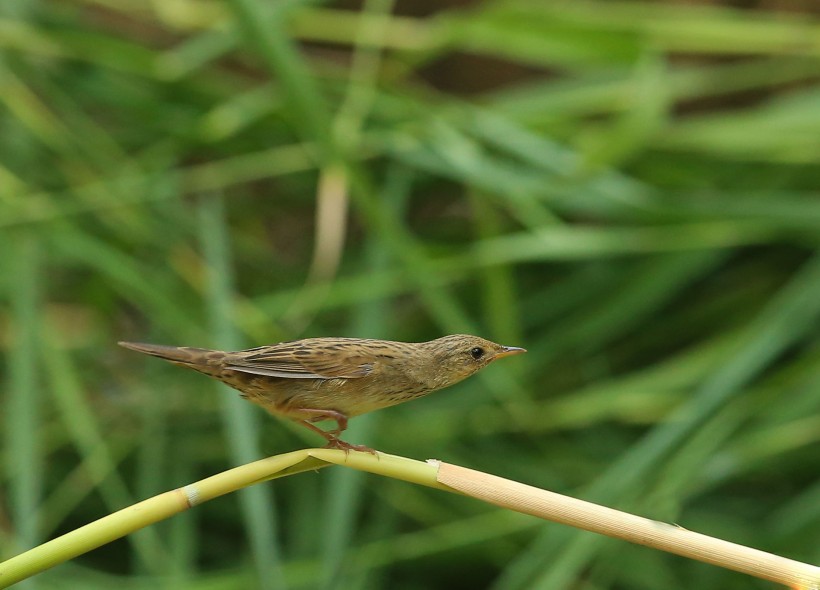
<point>319,379</point>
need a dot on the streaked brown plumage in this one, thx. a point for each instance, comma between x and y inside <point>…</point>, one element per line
<point>337,378</point>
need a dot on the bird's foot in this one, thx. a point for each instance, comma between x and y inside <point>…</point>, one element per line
<point>337,443</point>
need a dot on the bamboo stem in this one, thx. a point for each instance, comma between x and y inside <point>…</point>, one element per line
<point>629,527</point>
<point>501,492</point>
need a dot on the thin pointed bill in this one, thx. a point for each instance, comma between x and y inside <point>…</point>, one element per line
<point>509,351</point>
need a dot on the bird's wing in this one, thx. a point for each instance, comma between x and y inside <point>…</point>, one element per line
<point>296,360</point>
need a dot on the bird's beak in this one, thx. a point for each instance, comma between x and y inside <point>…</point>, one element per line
<point>509,351</point>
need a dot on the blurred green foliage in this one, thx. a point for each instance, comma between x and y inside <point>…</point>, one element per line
<point>627,189</point>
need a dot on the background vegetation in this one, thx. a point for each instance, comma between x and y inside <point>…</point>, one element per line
<point>627,189</point>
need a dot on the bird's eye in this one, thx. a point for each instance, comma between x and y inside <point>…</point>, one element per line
<point>477,352</point>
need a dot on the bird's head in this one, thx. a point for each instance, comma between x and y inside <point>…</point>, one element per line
<point>458,356</point>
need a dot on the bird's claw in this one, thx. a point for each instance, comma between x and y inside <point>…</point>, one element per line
<point>337,443</point>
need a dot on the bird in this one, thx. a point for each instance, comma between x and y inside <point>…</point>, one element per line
<point>316,379</point>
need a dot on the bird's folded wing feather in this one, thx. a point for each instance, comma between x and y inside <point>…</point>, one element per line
<point>303,363</point>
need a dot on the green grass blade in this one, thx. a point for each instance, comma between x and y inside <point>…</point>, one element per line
<point>240,418</point>
<point>24,453</point>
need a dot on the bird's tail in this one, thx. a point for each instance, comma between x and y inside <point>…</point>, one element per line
<point>182,355</point>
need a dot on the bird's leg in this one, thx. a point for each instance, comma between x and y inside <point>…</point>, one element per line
<point>328,436</point>
<point>319,415</point>
<point>332,436</point>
